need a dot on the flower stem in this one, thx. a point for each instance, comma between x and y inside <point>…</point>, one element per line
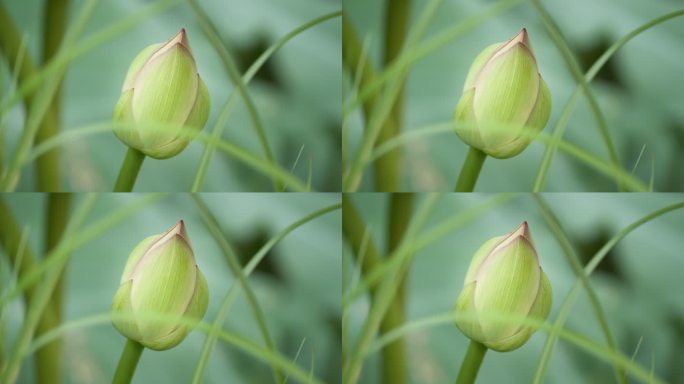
<point>128,362</point>
<point>129,170</point>
<point>471,363</point>
<point>388,166</point>
<point>394,354</point>
<point>470,171</point>
<point>55,18</point>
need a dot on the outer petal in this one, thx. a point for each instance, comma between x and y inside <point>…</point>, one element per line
<point>540,310</point>
<point>164,282</point>
<point>167,341</point>
<point>507,282</point>
<point>542,109</point>
<point>512,342</point>
<point>200,299</point>
<point>542,305</point>
<point>122,304</point>
<point>535,124</point>
<point>479,257</point>
<point>137,64</point>
<point>196,310</point>
<point>464,303</point>
<point>479,63</point>
<point>196,120</point>
<point>165,92</point>
<point>466,127</point>
<point>128,133</point>
<point>135,256</point>
<point>505,93</point>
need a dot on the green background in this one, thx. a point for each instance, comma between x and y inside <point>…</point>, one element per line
<point>297,285</point>
<point>297,93</point>
<point>639,285</point>
<point>639,92</point>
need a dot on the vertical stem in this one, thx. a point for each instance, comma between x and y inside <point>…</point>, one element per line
<point>48,357</point>
<point>54,25</point>
<point>471,363</point>
<point>470,170</point>
<point>58,208</point>
<point>394,354</point>
<point>129,170</point>
<point>128,362</point>
<point>388,166</point>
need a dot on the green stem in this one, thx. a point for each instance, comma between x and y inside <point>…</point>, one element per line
<point>471,363</point>
<point>470,171</point>
<point>388,166</point>
<point>129,170</point>
<point>394,355</point>
<point>54,25</point>
<point>128,362</point>
<point>48,357</point>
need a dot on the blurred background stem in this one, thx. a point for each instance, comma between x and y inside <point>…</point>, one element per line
<point>394,354</point>
<point>388,166</point>
<point>470,170</point>
<point>22,260</point>
<point>55,16</point>
<point>129,170</point>
<point>369,258</point>
<point>48,357</point>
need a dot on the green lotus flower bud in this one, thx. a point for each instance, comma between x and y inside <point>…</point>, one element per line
<point>504,277</point>
<point>162,87</point>
<point>503,88</point>
<point>160,277</point>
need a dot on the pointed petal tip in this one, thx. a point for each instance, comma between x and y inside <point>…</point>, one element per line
<point>180,38</point>
<point>522,37</point>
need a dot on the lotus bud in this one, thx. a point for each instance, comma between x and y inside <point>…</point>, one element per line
<point>505,101</point>
<point>504,278</point>
<point>162,95</point>
<point>160,278</point>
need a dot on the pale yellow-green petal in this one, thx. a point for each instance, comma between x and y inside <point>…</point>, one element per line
<point>165,92</point>
<point>542,109</point>
<point>135,256</point>
<point>126,132</point>
<point>196,120</point>
<point>465,124</point>
<point>137,64</point>
<point>121,304</point>
<point>507,283</point>
<point>200,111</point>
<point>464,304</point>
<point>170,340</point>
<point>535,124</point>
<point>478,64</point>
<point>479,256</point>
<point>196,310</point>
<point>200,299</point>
<point>542,305</point>
<point>505,93</point>
<point>164,283</point>
<point>512,342</point>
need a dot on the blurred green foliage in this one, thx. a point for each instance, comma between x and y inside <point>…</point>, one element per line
<point>637,92</point>
<point>297,285</point>
<point>297,93</point>
<point>639,285</point>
